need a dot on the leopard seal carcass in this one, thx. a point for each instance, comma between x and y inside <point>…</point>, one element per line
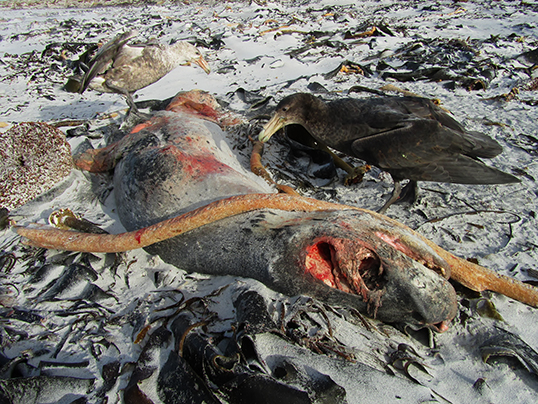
<point>178,164</point>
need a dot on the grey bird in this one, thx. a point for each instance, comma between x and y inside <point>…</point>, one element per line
<point>119,67</point>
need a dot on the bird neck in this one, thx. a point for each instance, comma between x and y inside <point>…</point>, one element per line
<point>178,53</point>
<point>316,115</point>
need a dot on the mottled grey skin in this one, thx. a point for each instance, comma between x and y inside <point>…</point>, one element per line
<point>177,163</point>
<point>174,166</point>
<point>271,246</point>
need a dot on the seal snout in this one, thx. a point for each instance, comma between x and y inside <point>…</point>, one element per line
<point>346,265</point>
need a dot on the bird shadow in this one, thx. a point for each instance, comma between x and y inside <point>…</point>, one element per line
<point>80,109</point>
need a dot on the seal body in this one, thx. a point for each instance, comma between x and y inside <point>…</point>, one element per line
<point>343,258</point>
<point>176,162</point>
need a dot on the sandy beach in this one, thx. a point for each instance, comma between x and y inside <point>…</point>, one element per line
<point>467,55</point>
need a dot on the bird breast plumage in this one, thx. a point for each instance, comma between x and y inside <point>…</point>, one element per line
<point>138,67</point>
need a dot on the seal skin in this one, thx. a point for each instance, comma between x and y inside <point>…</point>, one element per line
<point>373,263</point>
<point>174,166</point>
<point>340,258</point>
<point>175,163</point>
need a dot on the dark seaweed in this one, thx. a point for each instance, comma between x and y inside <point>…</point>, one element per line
<point>70,277</point>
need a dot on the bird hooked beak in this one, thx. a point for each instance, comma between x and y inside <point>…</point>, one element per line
<point>203,64</point>
<point>274,125</point>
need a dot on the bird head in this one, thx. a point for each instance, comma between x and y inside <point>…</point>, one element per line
<point>293,109</point>
<point>191,54</point>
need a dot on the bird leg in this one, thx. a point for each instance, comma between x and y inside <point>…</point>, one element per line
<point>399,194</point>
<point>393,198</point>
<point>132,106</point>
<point>133,109</point>
<point>354,174</point>
<point>409,192</point>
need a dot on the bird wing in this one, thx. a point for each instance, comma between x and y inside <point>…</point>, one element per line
<point>400,123</point>
<point>104,58</point>
<point>425,150</point>
<point>473,144</point>
<point>355,118</point>
<point>127,54</point>
<point>136,67</point>
<point>425,108</point>
<point>458,169</point>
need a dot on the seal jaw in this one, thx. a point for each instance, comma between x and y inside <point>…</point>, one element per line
<point>348,266</point>
<point>394,286</point>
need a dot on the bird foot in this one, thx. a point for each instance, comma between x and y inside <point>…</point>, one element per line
<point>132,118</point>
<point>393,198</point>
<point>356,175</point>
<point>408,193</point>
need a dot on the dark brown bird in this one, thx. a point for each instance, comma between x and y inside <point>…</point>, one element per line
<point>409,137</point>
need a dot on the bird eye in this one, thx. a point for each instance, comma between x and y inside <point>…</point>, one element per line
<point>284,109</point>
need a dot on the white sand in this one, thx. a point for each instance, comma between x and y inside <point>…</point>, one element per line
<point>503,235</point>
